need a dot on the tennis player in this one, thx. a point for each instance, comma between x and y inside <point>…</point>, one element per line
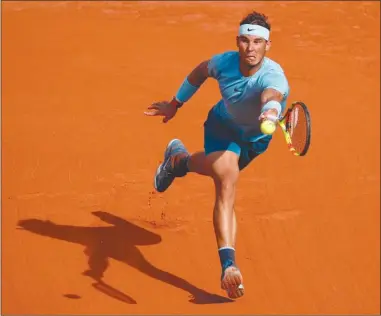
<point>253,88</point>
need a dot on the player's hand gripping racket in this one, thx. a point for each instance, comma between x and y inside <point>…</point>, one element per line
<point>296,128</point>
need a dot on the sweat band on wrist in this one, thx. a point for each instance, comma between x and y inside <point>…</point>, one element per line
<point>186,91</point>
<point>227,257</point>
<point>272,105</point>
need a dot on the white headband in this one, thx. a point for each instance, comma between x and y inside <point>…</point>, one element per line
<point>253,29</point>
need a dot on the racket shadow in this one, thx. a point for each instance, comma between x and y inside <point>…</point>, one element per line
<point>117,242</point>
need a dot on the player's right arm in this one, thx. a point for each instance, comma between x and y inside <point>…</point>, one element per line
<point>188,88</point>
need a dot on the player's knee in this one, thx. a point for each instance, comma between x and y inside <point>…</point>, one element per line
<point>223,162</point>
<point>225,179</point>
<point>225,186</point>
<point>224,169</point>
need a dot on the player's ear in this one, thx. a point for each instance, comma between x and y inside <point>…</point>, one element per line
<point>268,45</point>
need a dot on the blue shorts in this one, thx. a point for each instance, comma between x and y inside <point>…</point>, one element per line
<point>219,136</point>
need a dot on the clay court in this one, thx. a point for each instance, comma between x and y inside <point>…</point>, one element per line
<point>82,229</point>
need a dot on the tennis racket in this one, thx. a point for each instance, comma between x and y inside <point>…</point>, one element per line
<point>296,128</point>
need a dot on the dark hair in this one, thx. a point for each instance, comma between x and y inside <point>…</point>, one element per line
<point>256,18</point>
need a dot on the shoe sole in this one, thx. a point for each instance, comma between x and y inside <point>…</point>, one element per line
<point>232,283</point>
<point>158,170</point>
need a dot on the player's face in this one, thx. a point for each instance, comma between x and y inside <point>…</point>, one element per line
<point>252,49</point>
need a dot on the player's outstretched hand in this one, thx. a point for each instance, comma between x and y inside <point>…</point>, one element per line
<point>162,108</point>
<point>270,114</point>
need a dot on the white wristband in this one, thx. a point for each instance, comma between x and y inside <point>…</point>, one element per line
<point>272,105</point>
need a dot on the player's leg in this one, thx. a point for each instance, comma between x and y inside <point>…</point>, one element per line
<point>220,161</point>
<point>222,166</point>
<point>178,161</point>
<point>198,163</point>
<point>225,221</point>
<point>225,173</point>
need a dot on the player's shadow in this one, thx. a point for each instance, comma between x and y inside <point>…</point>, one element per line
<point>119,243</point>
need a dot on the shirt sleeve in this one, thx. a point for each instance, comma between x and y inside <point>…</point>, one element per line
<point>277,80</point>
<point>214,66</point>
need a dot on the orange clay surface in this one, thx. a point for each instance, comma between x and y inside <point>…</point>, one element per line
<point>82,229</point>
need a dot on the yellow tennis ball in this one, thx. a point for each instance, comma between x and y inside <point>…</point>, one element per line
<point>268,127</point>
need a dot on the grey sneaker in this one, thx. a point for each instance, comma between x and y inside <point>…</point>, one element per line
<point>165,173</point>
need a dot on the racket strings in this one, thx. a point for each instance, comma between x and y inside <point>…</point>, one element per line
<point>297,127</point>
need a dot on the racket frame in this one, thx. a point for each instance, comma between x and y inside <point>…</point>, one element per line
<point>282,122</point>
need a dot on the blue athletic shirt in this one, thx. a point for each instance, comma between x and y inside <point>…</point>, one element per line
<point>240,105</point>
